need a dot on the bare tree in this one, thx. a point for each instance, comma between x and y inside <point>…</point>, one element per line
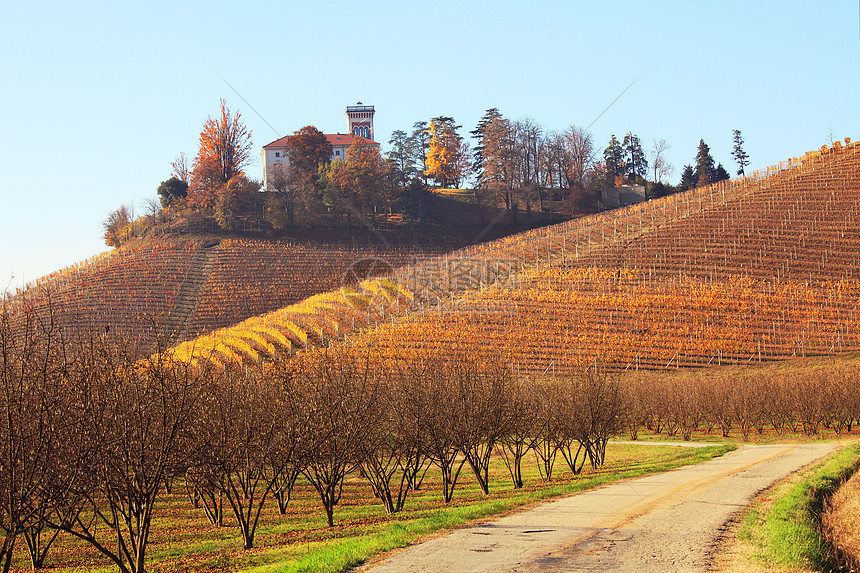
<point>441,429</point>
<point>236,440</point>
<point>523,426</point>
<point>339,389</point>
<point>152,207</point>
<point>662,167</point>
<point>555,166</point>
<point>396,462</point>
<point>180,168</point>
<point>140,413</point>
<point>480,386</point>
<point>528,140</point>
<point>547,441</point>
<point>579,155</point>
<point>284,461</point>
<point>33,425</point>
<point>589,408</point>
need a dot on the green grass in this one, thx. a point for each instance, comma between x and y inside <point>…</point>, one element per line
<point>786,531</point>
<point>182,539</point>
<point>354,551</point>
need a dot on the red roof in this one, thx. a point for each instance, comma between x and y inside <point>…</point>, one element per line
<point>336,140</point>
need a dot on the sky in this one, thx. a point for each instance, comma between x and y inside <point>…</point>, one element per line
<point>98,100</point>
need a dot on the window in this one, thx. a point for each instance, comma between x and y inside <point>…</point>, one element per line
<point>277,154</point>
<point>337,152</point>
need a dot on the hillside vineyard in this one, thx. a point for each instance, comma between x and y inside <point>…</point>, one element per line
<point>760,268</point>
<point>182,288</point>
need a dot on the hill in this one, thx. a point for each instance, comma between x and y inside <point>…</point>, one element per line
<point>185,285</point>
<point>181,286</point>
<point>759,268</point>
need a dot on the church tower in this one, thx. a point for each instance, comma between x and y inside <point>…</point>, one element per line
<point>359,117</point>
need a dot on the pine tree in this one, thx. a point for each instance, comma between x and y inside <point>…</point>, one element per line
<point>613,155</point>
<point>688,178</point>
<point>720,174</point>
<point>637,164</point>
<point>478,134</point>
<point>704,165</point>
<point>741,157</point>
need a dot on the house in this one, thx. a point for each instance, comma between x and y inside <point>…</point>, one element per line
<point>359,120</point>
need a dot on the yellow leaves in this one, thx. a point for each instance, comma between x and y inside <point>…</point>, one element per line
<point>319,317</point>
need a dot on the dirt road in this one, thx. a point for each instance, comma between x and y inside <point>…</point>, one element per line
<point>663,522</point>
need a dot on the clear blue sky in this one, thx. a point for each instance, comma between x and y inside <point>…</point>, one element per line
<point>98,100</point>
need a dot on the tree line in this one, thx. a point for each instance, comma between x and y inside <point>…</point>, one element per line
<point>91,434</point>
<point>515,165</point>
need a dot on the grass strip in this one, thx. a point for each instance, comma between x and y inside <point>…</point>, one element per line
<point>337,555</point>
<point>788,532</point>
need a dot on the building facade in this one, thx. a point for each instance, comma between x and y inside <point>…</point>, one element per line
<point>359,120</point>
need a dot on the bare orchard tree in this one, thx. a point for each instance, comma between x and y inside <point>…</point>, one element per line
<point>442,427</point>
<point>140,411</point>
<point>283,458</point>
<point>589,408</point>
<point>481,385</point>
<point>549,435</point>
<point>339,390</point>
<point>235,442</point>
<point>33,426</point>
<point>524,425</point>
<point>396,462</point>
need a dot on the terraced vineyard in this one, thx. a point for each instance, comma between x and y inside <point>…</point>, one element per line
<point>185,287</point>
<point>759,268</point>
<point>128,290</point>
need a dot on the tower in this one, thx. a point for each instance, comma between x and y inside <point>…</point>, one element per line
<point>359,118</point>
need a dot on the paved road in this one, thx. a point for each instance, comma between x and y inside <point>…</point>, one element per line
<point>662,522</point>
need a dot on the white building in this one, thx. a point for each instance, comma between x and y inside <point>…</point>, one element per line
<point>359,120</point>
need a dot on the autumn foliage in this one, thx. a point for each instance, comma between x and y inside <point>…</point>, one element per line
<point>448,158</point>
<point>224,150</point>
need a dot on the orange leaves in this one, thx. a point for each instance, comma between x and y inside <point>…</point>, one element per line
<point>224,150</point>
<point>447,158</point>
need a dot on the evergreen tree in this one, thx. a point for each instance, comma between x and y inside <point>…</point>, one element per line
<point>613,155</point>
<point>704,165</point>
<point>637,164</point>
<point>688,178</point>
<point>421,146</point>
<point>720,174</point>
<point>741,157</point>
<point>402,156</point>
<point>172,190</point>
<point>478,134</point>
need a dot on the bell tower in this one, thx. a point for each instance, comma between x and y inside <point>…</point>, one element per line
<point>359,118</point>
